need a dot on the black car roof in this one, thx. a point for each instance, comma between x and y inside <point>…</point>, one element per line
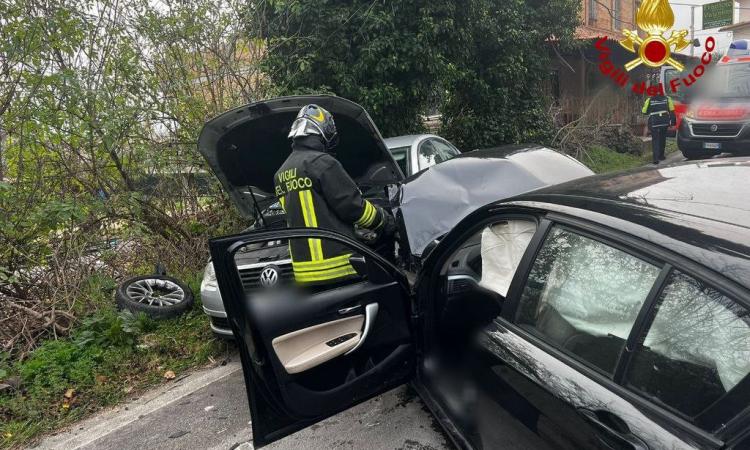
<point>697,209</point>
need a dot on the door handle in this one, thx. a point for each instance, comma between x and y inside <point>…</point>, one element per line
<point>371,311</point>
<point>348,310</point>
<point>623,435</point>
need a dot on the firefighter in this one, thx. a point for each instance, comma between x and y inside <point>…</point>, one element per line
<point>660,111</point>
<point>315,191</point>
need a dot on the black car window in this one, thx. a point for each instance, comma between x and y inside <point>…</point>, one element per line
<point>491,256</point>
<point>696,349</point>
<point>583,297</point>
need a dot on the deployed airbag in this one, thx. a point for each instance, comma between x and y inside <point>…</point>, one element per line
<point>503,246</point>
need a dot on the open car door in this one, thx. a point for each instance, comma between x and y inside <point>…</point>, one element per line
<point>308,354</point>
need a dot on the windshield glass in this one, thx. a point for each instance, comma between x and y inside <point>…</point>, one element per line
<point>433,152</point>
<point>727,82</point>
<point>673,74</point>
<point>399,155</point>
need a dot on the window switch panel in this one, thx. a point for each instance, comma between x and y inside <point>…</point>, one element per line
<point>340,339</point>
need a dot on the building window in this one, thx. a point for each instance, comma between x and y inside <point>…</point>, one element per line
<point>592,12</point>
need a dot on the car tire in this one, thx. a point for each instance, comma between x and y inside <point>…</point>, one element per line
<point>158,296</point>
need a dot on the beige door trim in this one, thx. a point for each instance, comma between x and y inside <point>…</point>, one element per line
<point>304,349</point>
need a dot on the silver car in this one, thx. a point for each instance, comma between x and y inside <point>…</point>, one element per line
<point>412,153</point>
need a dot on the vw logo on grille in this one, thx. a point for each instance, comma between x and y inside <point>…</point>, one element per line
<point>269,277</point>
<point>714,128</point>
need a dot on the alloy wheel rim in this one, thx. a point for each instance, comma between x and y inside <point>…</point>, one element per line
<point>156,292</point>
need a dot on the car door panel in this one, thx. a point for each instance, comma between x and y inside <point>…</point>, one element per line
<point>282,314</point>
<point>522,390</point>
<point>566,396</point>
<point>308,355</point>
<point>304,349</point>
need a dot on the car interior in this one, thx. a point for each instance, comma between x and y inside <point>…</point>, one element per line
<point>331,343</point>
<point>479,274</point>
<point>474,283</point>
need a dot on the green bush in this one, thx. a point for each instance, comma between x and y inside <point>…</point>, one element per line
<point>57,365</point>
<point>621,140</point>
<point>113,329</point>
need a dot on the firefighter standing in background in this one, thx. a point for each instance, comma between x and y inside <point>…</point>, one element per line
<point>660,111</point>
<point>316,192</point>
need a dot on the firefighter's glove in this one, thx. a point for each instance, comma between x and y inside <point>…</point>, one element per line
<point>389,225</point>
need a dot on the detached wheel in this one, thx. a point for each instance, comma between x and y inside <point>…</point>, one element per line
<point>158,296</point>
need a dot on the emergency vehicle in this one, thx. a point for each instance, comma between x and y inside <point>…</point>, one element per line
<point>717,117</point>
<point>680,99</point>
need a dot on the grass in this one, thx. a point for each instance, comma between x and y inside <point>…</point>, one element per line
<point>602,160</point>
<point>111,355</point>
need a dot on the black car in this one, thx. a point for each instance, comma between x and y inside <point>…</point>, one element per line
<point>608,312</point>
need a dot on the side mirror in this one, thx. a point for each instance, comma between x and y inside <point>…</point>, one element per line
<point>367,268</point>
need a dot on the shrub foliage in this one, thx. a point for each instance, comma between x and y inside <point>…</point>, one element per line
<point>481,63</point>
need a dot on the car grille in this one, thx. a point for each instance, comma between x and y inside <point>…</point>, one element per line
<point>722,129</point>
<point>250,275</point>
<point>220,322</point>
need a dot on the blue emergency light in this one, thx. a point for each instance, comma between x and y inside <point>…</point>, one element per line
<point>739,47</point>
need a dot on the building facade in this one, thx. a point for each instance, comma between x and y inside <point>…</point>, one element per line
<point>741,27</point>
<point>578,85</point>
<point>607,17</point>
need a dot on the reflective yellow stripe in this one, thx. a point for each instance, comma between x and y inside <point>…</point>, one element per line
<point>325,270</point>
<point>322,264</point>
<point>364,214</point>
<point>282,200</point>
<point>324,275</point>
<point>308,213</point>
<point>368,216</point>
<point>317,243</point>
<point>299,271</point>
<point>311,209</point>
<point>377,227</point>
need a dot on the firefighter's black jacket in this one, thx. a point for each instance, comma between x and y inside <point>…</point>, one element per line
<point>315,191</point>
<point>660,110</point>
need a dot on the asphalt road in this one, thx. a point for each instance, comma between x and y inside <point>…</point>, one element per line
<point>208,410</point>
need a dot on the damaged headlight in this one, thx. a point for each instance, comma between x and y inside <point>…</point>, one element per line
<point>209,278</point>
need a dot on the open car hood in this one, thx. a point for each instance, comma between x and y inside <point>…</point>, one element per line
<point>433,201</point>
<point>246,146</point>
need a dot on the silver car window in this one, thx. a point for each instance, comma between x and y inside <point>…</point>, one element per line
<point>434,151</point>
